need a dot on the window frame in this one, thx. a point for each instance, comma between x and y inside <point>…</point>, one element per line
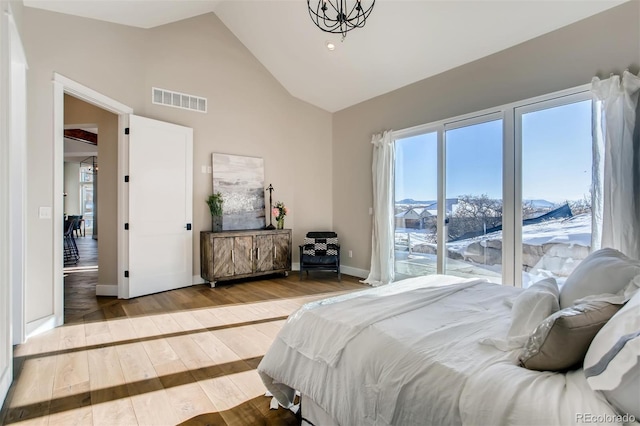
<point>511,115</point>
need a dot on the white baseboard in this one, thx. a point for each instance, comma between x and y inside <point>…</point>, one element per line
<point>107,290</point>
<point>355,272</point>
<point>347,270</point>
<point>197,279</point>
<point>40,325</point>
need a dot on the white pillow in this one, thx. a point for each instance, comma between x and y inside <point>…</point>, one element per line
<point>603,271</point>
<point>532,306</point>
<point>612,363</point>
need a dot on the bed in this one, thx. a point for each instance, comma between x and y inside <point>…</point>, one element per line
<point>430,350</point>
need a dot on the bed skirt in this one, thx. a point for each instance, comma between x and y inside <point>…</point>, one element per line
<point>313,414</point>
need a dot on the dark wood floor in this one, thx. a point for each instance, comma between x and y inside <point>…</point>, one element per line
<point>80,283</point>
<point>186,356</point>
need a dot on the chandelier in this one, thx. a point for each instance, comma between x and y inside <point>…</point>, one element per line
<point>339,16</point>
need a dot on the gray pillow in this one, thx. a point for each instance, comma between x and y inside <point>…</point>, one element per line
<point>603,271</point>
<point>561,341</point>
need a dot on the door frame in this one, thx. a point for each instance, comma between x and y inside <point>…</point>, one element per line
<point>62,85</point>
<point>17,177</point>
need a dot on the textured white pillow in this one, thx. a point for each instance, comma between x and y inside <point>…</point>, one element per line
<point>612,363</point>
<point>603,271</point>
<point>532,306</point>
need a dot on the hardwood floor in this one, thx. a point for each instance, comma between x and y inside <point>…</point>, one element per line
<point>186,356</point>
<point>80,283</point>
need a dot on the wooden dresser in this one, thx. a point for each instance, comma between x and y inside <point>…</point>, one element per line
<point>231,255</point>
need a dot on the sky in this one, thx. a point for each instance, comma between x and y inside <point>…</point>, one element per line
<point>556,152</point>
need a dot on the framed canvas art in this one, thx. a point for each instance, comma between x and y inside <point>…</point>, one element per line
<point>240,180</point>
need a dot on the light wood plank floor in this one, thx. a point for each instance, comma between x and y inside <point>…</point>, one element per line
<point>186,356</point>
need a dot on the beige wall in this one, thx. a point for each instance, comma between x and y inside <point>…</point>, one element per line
<point>77,111</point>
<point>249,114</point>
<point>569,57</point>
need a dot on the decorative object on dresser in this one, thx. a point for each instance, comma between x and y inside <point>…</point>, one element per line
<point>231,255</point>
<point>280,211</point>
<point>240,180</point>
<point>215,202</point>
<point>270,225</point>
<point>320,251</point>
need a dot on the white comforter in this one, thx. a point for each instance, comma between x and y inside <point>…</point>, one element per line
<point>409,354</point>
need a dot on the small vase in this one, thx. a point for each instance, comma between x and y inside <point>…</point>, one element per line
<point>280,224</point>
<point>216,223</point>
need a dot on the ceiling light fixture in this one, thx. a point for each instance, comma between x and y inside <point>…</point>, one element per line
<point>339,16</point>
<point>331,46</point>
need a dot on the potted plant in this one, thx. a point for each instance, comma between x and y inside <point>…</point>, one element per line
<point>215,202</point>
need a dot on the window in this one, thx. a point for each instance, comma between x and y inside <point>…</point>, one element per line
<point>503,193</point>
<point>473,200</point>
<point>416,199</point>
<point>556,187</point>
<point>86,194</point>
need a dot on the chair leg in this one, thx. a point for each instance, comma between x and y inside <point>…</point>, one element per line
<point>300,278</point>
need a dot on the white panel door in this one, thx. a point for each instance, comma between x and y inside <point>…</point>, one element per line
<point>160,206</point>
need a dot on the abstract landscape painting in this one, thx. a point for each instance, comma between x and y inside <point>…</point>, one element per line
<point>240,180</point>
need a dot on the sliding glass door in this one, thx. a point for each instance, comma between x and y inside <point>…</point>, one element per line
<point>556,159</point>
<point>502,194</point>
<point>473,201</point>
<point>416,198</point>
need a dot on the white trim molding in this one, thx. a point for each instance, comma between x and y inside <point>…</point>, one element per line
<point>62,85</point>
<point>354,272</point>
<point>41,325</point>
<point>107,290</point>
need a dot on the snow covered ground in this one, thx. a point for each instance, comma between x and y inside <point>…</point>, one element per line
<point>550,249</point>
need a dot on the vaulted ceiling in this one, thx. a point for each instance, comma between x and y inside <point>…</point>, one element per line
<point>404,41</point>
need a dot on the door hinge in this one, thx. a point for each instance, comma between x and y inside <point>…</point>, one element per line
<point>126,274</point>
<point>126,178</point>
<point>126,130</point>
<point>126,226</point>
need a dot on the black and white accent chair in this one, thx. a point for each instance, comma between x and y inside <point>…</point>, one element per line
<point>320,251</point>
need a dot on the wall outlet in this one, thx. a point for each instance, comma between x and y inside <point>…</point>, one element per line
<point>44,213</point>
<point>350,253</point>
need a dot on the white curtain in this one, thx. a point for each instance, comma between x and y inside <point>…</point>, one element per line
<point>616,190</point>
<point>382,237</point>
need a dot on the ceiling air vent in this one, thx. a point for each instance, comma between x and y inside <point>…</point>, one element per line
<point>178,100</point>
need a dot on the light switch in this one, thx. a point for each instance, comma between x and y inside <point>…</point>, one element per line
<point>45,213</point>
<point>203,169</point>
